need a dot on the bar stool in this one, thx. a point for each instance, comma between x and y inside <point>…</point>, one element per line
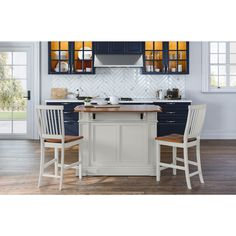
<point>52,135</point>
<point>191,138</point>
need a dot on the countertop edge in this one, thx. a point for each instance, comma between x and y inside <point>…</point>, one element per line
<point>124,102</point>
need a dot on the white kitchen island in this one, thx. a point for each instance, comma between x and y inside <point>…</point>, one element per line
<point>118,141</point>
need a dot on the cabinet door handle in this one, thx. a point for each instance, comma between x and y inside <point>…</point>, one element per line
<point>141,116</point>
<point>94,116</point>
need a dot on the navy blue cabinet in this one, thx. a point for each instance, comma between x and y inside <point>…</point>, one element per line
<point>134,47</point>
<point>118,47</point>
<point>101,47</point>
<point>70,117</point>
<point>70,57</point>
<point>166,57</point>
<point>173,118</point>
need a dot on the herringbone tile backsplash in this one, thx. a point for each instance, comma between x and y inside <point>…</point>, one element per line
<point>121,82</point>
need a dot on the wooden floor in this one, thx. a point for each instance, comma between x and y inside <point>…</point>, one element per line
<point>19,167</point>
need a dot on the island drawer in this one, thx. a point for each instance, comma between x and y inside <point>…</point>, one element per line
<point>170,128</point>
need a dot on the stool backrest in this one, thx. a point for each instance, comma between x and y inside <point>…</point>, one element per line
<point>50,122</point>
<point>195,120</point>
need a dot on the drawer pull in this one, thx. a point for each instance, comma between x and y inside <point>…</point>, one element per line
<point>170,112</point>
<point>170,121</point>
<point>69,121</point>
<point>141,116</point>
<point>67,112</point>
<point>94,116</point>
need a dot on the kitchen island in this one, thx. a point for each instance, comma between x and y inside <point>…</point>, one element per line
<point>118,141</point>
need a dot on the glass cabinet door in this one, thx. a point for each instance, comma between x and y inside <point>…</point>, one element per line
<point>83,57</point>
<point>154,57</point>
<point>178,57</point>
<point>59,53</point>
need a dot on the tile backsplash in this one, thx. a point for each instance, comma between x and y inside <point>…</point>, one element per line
<point>121,82</point>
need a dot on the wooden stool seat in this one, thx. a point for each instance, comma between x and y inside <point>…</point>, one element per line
<point>176,138</point>
<point>68,138</point>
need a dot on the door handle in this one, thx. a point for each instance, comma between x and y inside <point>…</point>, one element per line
<point>28,95</point>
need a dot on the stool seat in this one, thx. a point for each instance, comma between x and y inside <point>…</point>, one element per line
<point>174,138</point>
<point>68,138</point>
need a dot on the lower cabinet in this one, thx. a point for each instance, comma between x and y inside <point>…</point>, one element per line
<point>70,117</point>
<point>173,118</point>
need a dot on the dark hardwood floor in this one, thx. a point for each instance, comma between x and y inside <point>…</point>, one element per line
<point>19,167</point>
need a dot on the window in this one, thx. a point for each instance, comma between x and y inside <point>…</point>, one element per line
<point>219,67</point>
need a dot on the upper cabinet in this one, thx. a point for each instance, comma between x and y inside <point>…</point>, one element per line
<point>118,47</point>
<point>166,57</point>
<point>70,57</point>
<point>59,54</point>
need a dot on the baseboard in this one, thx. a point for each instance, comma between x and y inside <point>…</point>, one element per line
<point>218,135</point>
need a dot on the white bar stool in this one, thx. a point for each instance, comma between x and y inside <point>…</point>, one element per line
<point>52,135</point>
<point>191,137</point>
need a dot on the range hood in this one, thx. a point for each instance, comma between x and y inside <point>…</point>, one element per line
<point>126,60</point>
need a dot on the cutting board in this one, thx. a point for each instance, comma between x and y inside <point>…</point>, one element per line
<point>59,93</point>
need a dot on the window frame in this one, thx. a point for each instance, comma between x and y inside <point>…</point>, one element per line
<point>206,87</point>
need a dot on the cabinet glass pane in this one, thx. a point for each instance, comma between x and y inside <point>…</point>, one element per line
<point>233,47</point>
<point>149,66</point>
<point>158,46</point>
<point>172,66</point>
<point>19,58</point>
<point>233,58</point>
<point>214,58</point>
<point>158,55</point>
<point>182,66</point>
<point>149,55</point>
<point>172,45</point>
<point>172,55</point>
<point>149,45</point>
<point>182,45</point>
<point>78,45</point>
<point>64,45</point>
<point>158,66</point>
<point>54,45</point>
<point>182,55</point>
<point>88,45</point>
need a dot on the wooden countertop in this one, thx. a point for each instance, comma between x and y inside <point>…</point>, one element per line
<point>122,108</point>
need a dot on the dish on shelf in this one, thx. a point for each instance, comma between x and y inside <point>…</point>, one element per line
<point>62,53</point>
<point>79,70</point>
<point>87,54</point>
<point>62,66</point>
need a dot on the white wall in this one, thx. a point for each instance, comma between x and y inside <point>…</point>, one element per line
<point>220,120</point>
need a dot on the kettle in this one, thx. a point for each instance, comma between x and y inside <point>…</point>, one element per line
<point>114,100</point>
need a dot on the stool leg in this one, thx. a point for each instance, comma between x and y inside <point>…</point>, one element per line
<point>158,157</point>
<point>187,167</point>
<point>174,151</point>
<point>62,167</point>
<point>199,162</point>
<point>42,156</point>
<point>56,163</point>
<point>80,165</point>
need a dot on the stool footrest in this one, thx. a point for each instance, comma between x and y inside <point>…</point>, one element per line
<point>51,176</point>
<point>46,165</point>
<point>172,166</point>
<point>194,173</point>
<point>190,162</point>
